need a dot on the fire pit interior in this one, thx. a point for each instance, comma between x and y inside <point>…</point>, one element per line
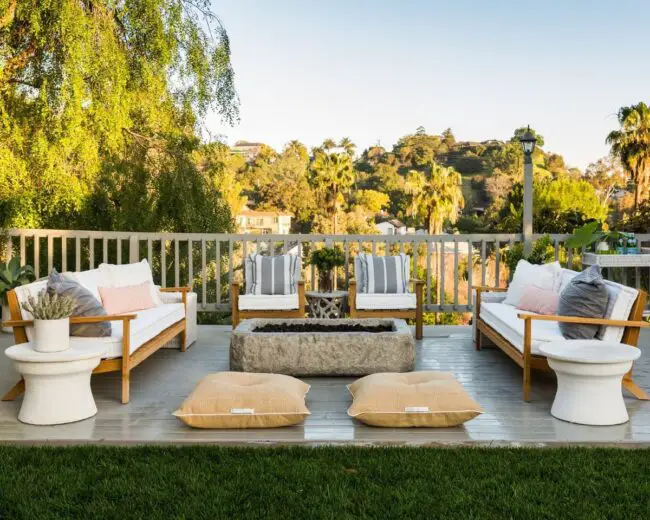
<point>313,347</point>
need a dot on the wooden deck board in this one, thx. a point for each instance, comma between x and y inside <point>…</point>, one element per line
<point>160,384</point>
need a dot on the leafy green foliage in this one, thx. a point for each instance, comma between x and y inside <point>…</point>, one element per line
<point>13,275</point>
<point>327,258</point>
<point>99,110</point>
<point>542,252</point>
<point>46,306</point>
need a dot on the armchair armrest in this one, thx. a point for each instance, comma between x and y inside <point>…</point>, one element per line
<point>485,288</point>
<point>176,289</point>
<point>76,319</point>
<point>589,321</point>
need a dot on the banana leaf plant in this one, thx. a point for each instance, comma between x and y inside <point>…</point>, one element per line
<point>589,234</point>
<point>12,275</point>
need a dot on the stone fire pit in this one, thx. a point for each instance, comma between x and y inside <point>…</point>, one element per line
<point>311,347</point>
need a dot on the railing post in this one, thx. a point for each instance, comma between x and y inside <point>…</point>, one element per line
<point>134,249</point>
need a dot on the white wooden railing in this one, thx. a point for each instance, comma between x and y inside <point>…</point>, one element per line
<point>209,262</point>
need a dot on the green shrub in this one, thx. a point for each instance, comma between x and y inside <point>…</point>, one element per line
<point>543,251</point>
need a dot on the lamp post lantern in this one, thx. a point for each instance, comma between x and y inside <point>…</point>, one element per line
<point>528,142</point>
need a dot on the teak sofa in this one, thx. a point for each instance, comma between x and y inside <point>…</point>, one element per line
<point>135,336</point>
<point>513,332</point>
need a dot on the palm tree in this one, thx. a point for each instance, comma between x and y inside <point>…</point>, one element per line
<point>328,144</point>
<point>347,144</point>
<point>435,197</point>
<point>298,149</point>
<point>631,144</point>
<point>332,177</point>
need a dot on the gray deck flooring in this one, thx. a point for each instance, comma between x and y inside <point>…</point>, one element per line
<point>160,384</point>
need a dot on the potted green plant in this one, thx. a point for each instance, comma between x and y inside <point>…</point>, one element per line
<point>592,233</point>
<point>51,314</point>
<point>12,275</point>
<point>325,260</point>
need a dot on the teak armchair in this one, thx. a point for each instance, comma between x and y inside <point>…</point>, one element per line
<point>124,364</point>
<point>411,314</point>
<point>529,361</point>
<point>243,314</point>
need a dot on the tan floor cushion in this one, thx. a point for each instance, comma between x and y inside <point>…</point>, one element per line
<point>243,400</point>
<point>424,399</point>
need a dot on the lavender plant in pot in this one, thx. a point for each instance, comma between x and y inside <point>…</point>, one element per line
<point>51,314</point>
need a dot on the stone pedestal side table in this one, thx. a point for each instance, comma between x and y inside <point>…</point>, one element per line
<point>589,380</point>
<point>326,305</point>
<point>57,384</point>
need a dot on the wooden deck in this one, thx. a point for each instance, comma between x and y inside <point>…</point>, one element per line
<point>161,384</point>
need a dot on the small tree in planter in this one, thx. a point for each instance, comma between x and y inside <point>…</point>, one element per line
<point>325,260</point>
<point>13,275</point>
<point>51,314</point>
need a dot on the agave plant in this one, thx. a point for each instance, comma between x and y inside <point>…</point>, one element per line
<point>12,275</point>
<point>47,306</point>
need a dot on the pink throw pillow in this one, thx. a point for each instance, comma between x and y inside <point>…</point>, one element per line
<point>541,301</point>
<point>120,300</point>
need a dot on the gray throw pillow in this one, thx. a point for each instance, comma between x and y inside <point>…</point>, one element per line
<point>585,296</point>
<point>87,305</point>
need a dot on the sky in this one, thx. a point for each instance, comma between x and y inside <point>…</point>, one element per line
<point>375,71</point>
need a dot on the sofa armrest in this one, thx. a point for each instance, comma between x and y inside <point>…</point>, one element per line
<point>76,319</point>
<point>175,289</point>
<point>588,321</point>
<point>486,288</point>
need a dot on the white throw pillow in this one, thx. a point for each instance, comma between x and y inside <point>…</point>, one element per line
<point>130,274</point>
<point>546,276</point>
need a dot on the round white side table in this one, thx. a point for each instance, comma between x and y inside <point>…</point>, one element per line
<point>589,380</point>
<point>57,384</point>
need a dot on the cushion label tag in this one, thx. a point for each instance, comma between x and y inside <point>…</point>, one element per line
<point>416,409</point>
<point>242,411</point>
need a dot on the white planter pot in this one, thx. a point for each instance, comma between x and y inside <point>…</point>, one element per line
<point>602,246</point>
<point>51,335</point>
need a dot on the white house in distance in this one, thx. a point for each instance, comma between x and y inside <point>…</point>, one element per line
<point>263,222</point>
<point>391,227</point>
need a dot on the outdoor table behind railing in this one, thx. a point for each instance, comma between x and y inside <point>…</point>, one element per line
<point>210,261</point>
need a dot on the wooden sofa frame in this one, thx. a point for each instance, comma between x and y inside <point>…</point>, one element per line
<point>411,314</point>
<point>126,363</point>
<point>239,314</point>
<point>528,361</point>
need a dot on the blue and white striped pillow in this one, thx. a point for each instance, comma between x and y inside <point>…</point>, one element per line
<point>272,274</point>
<point>384,274</point>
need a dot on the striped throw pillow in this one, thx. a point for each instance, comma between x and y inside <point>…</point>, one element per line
<point>273,274</point>
<point>384,274</point>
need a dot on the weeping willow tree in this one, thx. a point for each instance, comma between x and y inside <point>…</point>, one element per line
<point>101,103</point>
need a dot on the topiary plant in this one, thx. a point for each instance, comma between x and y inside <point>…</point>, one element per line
<point>49,307</point>
<point>326,259</point>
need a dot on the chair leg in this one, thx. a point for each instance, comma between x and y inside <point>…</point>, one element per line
<point>527,381</point>
<point>126,387</point>
<point>183,336</point>
<point>16,391</point>
<point>634,389</point>
<point>477,340</point>
<point>419,330</point>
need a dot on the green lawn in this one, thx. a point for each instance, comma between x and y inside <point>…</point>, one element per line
<point>338,483</point>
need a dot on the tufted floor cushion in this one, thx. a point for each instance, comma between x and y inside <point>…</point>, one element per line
<point>245,400</point>
<point>416,399</point>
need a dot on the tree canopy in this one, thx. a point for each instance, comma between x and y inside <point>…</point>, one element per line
<point>100,106</point>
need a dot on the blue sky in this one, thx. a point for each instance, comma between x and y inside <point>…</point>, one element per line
<point>377,70</point>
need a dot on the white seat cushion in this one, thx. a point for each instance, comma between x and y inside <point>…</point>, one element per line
<point>389,302</point>
<point>147,325</point>
<point>268,302</point>
<point>503,318</point>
